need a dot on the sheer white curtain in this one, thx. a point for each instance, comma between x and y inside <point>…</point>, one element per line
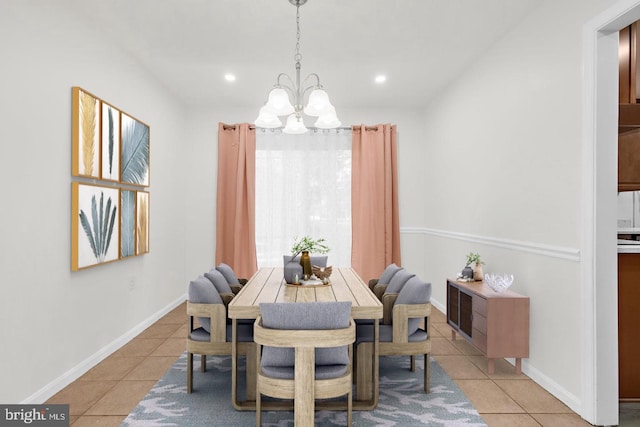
<point>303,187</point>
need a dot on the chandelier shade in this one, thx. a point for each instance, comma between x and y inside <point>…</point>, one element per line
<point>328,119</point>
<point>295,125</point>
<point>287,97</point>
<point>267,119</point>
<point>278,102</point>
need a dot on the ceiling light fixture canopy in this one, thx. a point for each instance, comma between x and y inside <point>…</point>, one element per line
<point>287,97</point>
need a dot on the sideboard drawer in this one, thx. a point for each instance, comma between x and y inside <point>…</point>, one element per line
<point>480,305</point>
<point>479,340</point>
<point>479,322</point>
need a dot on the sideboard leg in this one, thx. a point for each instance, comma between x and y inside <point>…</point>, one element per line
<point>518,365</point>
<point>492,366</point>
<point>453,335</point>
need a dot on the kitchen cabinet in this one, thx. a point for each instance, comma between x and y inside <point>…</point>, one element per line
<point>629,325</point>
<point>629,160</point>
<point>629,110</point>
<point>497,324</point>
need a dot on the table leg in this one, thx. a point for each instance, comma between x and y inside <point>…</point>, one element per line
<point>376,360</point>
<point>251,371</point>
<point>234,363</point>
<point>364,371</point>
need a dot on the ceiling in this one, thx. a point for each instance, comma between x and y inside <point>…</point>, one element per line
<point>189,45</point>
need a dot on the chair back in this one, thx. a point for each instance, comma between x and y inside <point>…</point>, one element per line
<point>418,293</point>
<point>391,291</point>
<point>283,326</point>
<point>202,291</point>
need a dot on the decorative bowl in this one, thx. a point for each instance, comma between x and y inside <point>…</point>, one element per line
<point>498,282</point>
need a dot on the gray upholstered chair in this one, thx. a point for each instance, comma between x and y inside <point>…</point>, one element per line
<point>221,285</point>
<point>385,277</point>
<point>387,293</point>
<point>213,337</point>
<point>231,278</point>
<point>386,288</point>
<point>403,337</point>
<point>306,355</point>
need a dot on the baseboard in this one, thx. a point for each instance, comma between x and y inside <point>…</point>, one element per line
<point>76,372</point>
<point>569,399</point>
<point>561,252</point>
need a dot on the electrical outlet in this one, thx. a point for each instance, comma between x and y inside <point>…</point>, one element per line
<point>132,282</point>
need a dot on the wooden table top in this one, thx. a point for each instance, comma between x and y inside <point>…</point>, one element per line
<point>268,285</point>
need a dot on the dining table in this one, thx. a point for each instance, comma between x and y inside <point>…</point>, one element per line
<point>268,285</point>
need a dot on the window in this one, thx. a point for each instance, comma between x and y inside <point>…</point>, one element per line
<point>303,187</point>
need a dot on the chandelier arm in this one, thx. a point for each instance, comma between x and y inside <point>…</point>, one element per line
<point>286,76</point>
<point>317,85</point>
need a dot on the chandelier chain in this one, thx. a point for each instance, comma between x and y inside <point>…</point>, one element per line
<point>298,56</point>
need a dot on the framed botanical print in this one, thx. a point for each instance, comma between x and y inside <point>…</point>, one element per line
<point>110,160</point>
<point>142,222</point>
<point>94,225</point>
<point>110,141</point>
<point>127,223</point>
<point>85,134</point>
<point>134,152</point>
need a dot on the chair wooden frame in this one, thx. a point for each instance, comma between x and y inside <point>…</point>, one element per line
<point>399,346</point>
<point>304,388</point>
<point>217,345</point>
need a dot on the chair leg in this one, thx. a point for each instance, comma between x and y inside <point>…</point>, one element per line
<point>189,372</point>
<point>258,409</point>
<point>413,363</point>
<point>203,363</point>
<point>349,408</point>
<point>427,373</point>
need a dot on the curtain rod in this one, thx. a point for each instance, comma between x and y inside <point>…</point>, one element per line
<point>354,127</point>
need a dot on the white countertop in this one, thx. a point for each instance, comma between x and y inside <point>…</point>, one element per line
<point>625,247</point>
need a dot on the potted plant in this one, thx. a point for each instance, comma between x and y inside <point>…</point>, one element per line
<point>476,272</point>
<point>304,246</point>
<point>307,244</point>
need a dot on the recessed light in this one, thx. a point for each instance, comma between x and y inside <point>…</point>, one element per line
<point>230,77</point>
<point>380,78</point>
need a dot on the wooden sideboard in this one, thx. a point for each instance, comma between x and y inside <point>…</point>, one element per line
<point>497,324</point>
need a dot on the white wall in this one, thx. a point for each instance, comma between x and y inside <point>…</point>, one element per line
<point>56,323</point>
<point>507,138</point>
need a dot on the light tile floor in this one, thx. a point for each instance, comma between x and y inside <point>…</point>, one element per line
<point>106,394</point>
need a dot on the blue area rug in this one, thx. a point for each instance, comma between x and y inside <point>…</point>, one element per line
<point>402,400</point>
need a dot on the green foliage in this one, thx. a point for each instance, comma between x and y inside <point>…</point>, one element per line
<point>473,258</point>
<point>316,246</point>
<point>111,138</point>
<point>100,229</point>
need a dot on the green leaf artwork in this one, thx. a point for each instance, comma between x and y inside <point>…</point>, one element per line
<point>100,228</point>
<point>111,138</point>
<point>135,151</point>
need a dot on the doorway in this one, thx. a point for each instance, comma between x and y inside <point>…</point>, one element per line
<point>599,248</point>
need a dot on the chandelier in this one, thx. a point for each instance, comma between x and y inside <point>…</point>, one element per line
<point>287,96</point>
